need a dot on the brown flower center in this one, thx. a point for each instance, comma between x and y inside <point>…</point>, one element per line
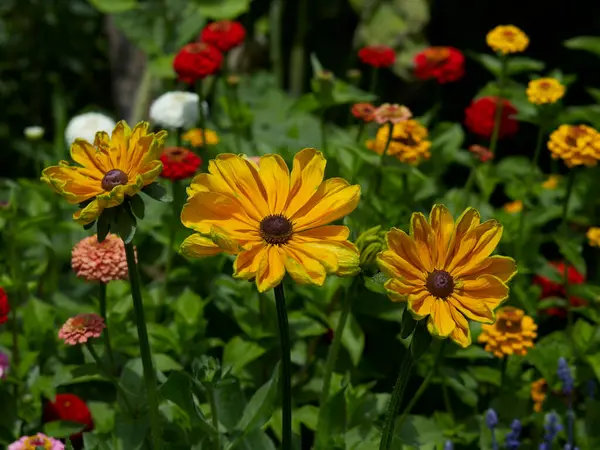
<point>509,321</point>
<point>222,26</point>
<point>509,34</point>
<point>408,140</point>
<point>275,229</point>
<point>440,283</point>
<point>437,54</point>
<point>545,85</point>
<point>196,47</point>
<point>175,154</point>
<point>113,178</point>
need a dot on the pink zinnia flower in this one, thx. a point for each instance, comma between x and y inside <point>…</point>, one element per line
<point>100,261</point>
<point>78,329</point>
<point>4,365</point>
<point>392,113</point>
<point>37,441</point>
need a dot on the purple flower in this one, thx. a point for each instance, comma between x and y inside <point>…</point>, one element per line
<point>448,445</point>
<point>552,427</point>
<point>512,438</point>
<point>491,419</point>
<point>565,376</point>
<point>37,441</point>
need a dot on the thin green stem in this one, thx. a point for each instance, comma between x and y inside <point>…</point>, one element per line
<point>503,367</point>
<point>359,133</point>
<point>142,95</point>
<point>323,131</point>
<point>446,396</point>
<point>286,368</point>
<point>276,53</point>
<point>140,320</point>
<point>337,342</point>
<point>564,230</point>
<point>110,376</point>
<point>201,112</point>
<point>395,402</point>
<point>379,179</point>
<point>374,77</point>
<point>499,105</point>
<point>538,145</point>
<point>215,417</point>
<point>105,334</point>
<point>469,186</point>
<point>297,70</point>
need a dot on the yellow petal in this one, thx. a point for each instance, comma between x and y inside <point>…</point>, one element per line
<point>271,269</point>
<point>303,268</point>
<point>440,323</point>
<point>151,171</point>
<point>246,264</point>
<point>502,267</point>
<point>86,155</point>
<point>198,246</point>
<point>442,224</point>
<point>487,289</point>
<point>407,259</point>
<point>462,333</point>
<point>328,232</point>
<point>473,309</point>
<point>425,240</point>
<point>71,183</point>
<point>459,247</point>
<point>421,304</point>
<point>307,176</point>
<point>90,213</point>
<point>275,177</point>
<point>340,257</point>
<point>487,236</point>
<point>119,140</point>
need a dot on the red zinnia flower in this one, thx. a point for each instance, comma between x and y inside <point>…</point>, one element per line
<point>445,64</point>
<point>363,111</point>
<point>480,116</point>
<point>4,306</point>
<point>71,408</point>
<point>553,289</point>
<point>179,163</point>
<point>377,56</point>
<point>196,61</point>
<point>224,34</point>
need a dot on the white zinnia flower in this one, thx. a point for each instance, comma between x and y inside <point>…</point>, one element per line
<point>176,109</point>
<point>34,133</point>
<point>86,125</point>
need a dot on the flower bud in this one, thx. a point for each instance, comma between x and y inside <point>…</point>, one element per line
<point>233,80</point>
<point>34,133</point>
<point>370,243</point>
<point>354,74</point>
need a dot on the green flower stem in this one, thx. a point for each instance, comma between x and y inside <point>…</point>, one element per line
<point>446,397</point>
<point>105,333</point>
<point>231,104</point>
<point>110,376</point>
<point>201,112</point>
<point>286,368</point>
<point>379,179</point>
<point>359,133</point>
<point>276,13</point>
<point>395,402</point>
<point>323,130</point>
<point>469,186</point>
<point>337,341</point>
<point>149,373</point>
<point>564,229</point>
<point>499,104</point>
<point>215,417</point>
<point>503,367</point>
<point>374,77</point>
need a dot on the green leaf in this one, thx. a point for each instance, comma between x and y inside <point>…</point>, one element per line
<point>165,363</point>
<point>260,407</point>
<point>222,9</point>
<point>38,319</point>
<point>138,206</point>
<point>595,93</point>
<point>376,283</point>
<point>518,64</point>
<point>582,334</point>
<point>105,221</point>
<point>125,224</point>
<point>332,422</point>
<point>491,63</point>
<point>62,428</point>
<point>571,249</point>
<point>408,324</point>
<point>238,353</point>
<point>353,339</point>
<point>544,356</point>
<point>588,43</point>
<point>419,431</point>
<point>113,6</point>
<point>421,340</point>
<point>157,192</point>
<point>179,389</point>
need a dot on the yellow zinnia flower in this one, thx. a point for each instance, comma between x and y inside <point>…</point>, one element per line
<point>274,221</point>
<point>545,90</point>
<point>114,167</point>
<point>538,393</point>
<point>576,145</point>
<point>409,142</point>
<point>507,39</point>
<point>593,235</point>
<point>513,333</point>
<point>444,270</point>
<point>194,137</point>
<point>551,182</point>
<point>513,207</point>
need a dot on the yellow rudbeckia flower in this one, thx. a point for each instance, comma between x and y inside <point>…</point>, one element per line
<point>444,271</point>
<point>273,220</point>
<point>112,168</point>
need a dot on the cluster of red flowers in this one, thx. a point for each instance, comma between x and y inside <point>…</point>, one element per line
<point>481,115</point>
<point>553,289</point>
<point>179,163</point>
<point>445,64</point>
<point>378,56</point>
<point>203,58</point>
<point>4,306</point>
<point>70,408</point>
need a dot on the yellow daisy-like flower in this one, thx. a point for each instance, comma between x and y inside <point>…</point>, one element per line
<point>194,137</point>
<point>114,167</point>
<point>593,235</point>
<point>507,39</point>
<point>545,90</point>
<point>409,142</point>
<point>576,145</point>
<point>273,220</point>
<point>513,207</point>
<point>538,393</point>
<point>444,270</point>
<point>513,333</point>
<point>551,182</point>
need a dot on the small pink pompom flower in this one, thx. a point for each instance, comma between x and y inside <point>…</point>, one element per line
<point>37,441</point>
<point>100,261</point>
<point>392,113</point>
<point>78,329</point>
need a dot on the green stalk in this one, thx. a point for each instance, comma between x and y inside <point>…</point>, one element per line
<point>337,342</point>
<point>105,333</point>
<point>201,111</point>
<point>395,402</point>
<point>323,131</point>
<point>142,96</point>
<point>215,417</point>
<point>149,373</point>
<point>276,53</point>
<point>297,55</point>
<point>499,105</point>
<point>359,133</point>
<point>564,229</point>
<point>111,377</point>
<point>374,76</point>
<point>379,180</point>
<point>446,396</point>
<point>469,186</point>
<point>286,368</point>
